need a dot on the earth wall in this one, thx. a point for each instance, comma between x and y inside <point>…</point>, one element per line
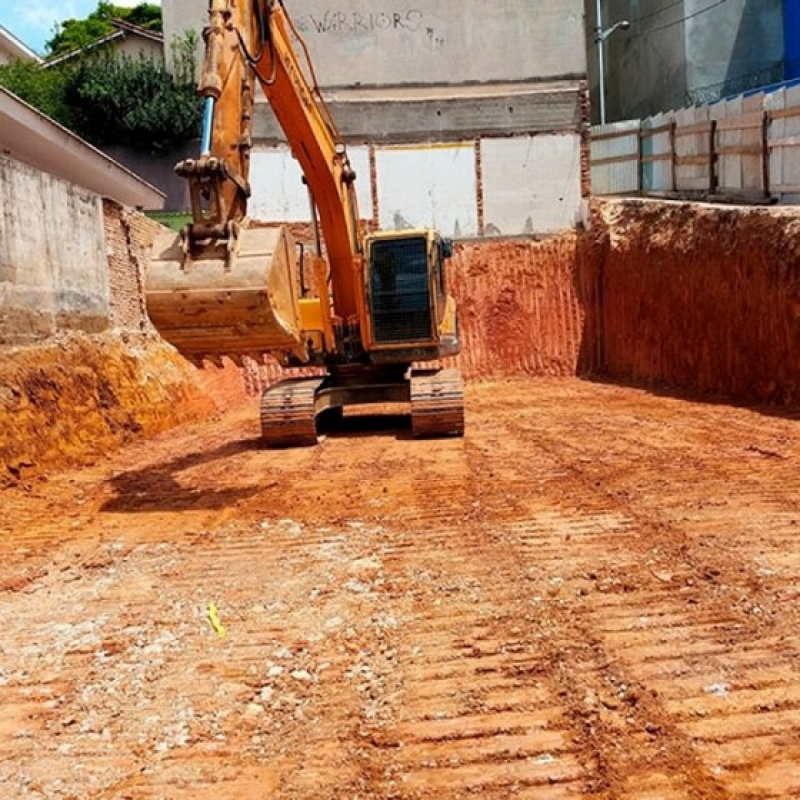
<point>697,299</point>
<point>701,298</point>
<point>77,397</point>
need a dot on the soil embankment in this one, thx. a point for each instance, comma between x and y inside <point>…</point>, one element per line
<point>702,298</point>
<point>77,397</point>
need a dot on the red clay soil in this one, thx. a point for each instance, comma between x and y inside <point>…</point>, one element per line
<point>705,298</point>
<point>592,595</point>
<point>699,298</point>
<point>518,311</point>
<point>78,397</point>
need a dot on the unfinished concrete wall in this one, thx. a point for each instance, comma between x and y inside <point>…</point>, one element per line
<point>489,187</point>
<point>53,267</point>
<point>702,298</point>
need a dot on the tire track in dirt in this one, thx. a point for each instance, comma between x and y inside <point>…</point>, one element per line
<point>550,607</point>
<point>535,701</point>
<point>717,616</point>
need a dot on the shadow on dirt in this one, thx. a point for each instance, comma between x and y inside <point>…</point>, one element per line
<point>361,426</point>
<point>790,412</point>
<point>157,487</point>
<point>166,487</point>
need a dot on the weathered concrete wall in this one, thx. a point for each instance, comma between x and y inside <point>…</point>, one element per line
<point>386,42</point>
<point>491,187</point>
<point>53,266</point>
<point>435,73</point>
<point>702,298</point>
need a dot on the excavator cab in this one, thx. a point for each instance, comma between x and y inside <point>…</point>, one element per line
<point>411,316</point>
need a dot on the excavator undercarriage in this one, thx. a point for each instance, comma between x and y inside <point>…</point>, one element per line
<point>291,408</point>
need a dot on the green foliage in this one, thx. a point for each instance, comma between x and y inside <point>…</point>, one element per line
<point>112,99</point>
<point>119,100</point>
<point>44,89</point>
<point>73,34</point>
<point>174,220</point>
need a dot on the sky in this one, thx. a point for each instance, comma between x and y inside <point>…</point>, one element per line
<point>32,21</point>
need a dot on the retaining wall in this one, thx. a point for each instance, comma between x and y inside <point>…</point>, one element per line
<point>53,268</point>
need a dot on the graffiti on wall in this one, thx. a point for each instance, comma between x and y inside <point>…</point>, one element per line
<point>332,21</point>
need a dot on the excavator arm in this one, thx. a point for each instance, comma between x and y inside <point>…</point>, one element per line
<point>252,39</point>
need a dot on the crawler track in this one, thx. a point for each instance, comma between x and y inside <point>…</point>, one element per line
<point>592,595</point>
<point>288,413</point>
<point>437,403</point>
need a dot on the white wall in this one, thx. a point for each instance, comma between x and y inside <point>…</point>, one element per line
<point>428,186</point>
<point>531,184</point>
<point>279,195</point>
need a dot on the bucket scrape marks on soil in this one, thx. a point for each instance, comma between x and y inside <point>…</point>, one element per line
<point>592,595</point>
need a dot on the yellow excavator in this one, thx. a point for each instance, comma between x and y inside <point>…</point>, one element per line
<point>365,307</point>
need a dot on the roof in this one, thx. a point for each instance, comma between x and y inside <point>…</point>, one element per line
<point>122,30</point>
<point>15,47</point>
<point>29,136</point>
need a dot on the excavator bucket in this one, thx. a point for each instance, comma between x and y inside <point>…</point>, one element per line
<point>227,299</point>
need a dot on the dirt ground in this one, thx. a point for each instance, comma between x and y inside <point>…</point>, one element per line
<point>593,594</point>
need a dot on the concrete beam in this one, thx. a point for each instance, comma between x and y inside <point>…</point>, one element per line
<point>408,115</point>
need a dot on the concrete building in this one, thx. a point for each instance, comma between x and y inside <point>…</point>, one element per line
<point>680,53</point>
<point>465,115</point>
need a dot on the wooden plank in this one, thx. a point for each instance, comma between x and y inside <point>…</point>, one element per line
<point>600,137</point>
<point>628,157</point>
<point>785,141</point>
<point>740,149</point>
<point>786,188</point>
<point>647,132</point>
<point>687,161</point>
<point>784,113</point>
<point>701,127</point>
<point>657,157</point>
<point>749,120</point>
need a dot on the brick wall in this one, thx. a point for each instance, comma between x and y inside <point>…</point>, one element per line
<point>129,236</point>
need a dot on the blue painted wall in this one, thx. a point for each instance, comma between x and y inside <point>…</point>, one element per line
<point>791,37</point>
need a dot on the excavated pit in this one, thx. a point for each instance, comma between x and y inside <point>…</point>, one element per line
<point>699,299</point>
<point>593,594</point>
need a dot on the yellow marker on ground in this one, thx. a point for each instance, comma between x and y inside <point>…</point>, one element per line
<point>213,616</point>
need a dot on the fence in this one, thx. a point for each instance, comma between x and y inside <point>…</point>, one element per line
<point>745,148</point>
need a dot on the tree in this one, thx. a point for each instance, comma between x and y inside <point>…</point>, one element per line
<point>135,102</point>
<point>113,99</point>
<point>44,89</point>
<point>73,34</point>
